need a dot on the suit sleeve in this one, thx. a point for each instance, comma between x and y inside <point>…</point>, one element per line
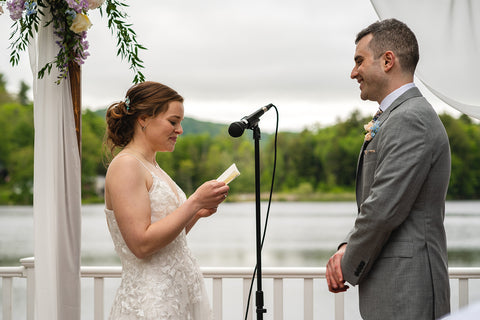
<point>394,171</point>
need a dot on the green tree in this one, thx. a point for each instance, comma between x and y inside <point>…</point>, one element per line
<point>464,138</point>
<point>93,130</point>
<point>342,143</point>
<point>5,97</point>
<point>23,93</point>
<point>319,159</point>
<point>16,153</point>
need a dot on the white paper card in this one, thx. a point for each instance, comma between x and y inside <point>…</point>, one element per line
<point>229,174</point>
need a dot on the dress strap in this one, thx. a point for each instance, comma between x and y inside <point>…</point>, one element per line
<point>143,164</point>
<point>166,178</point>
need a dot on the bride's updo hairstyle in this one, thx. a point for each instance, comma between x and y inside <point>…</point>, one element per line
<point>146,99</point>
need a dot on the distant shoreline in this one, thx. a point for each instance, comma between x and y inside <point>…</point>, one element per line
<point>285,196</point>
<point>277,196</point>
<point>303,197</point>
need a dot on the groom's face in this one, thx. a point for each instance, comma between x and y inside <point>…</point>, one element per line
<point>368,71</point>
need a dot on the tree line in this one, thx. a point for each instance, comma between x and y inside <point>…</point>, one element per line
<point>314,164</point>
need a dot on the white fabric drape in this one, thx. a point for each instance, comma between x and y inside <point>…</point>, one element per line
<point>57,192</point>
<point>448,32</point>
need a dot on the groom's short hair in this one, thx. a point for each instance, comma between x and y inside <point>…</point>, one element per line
<point>393,35</point>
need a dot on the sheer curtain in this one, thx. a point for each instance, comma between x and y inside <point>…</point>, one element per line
<point>448,32</point>
<point>57,189</point>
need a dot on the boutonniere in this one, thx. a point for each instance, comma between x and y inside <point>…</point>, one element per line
<point>371,129</point>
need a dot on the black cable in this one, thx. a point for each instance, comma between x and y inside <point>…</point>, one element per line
<point>268,211</point>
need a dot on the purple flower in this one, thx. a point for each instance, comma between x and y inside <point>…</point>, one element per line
<point>78,5</point>
<point>16,8</point>
<point>81,49</point>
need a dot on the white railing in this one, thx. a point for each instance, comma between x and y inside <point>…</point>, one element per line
<point>217,275</point>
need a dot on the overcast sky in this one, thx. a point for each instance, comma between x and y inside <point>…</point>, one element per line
<point>228,58</point>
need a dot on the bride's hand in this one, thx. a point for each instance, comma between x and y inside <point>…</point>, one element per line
<point>203,213</point>
<point>210,194</point>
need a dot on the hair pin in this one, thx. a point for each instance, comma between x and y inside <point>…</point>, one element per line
<point>127,103</point>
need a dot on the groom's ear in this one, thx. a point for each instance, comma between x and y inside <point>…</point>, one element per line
<point>389,60</point>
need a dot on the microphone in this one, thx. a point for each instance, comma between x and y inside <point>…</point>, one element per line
<point>236,128</point>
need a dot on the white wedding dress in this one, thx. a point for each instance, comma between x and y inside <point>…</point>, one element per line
<point>167,285</point>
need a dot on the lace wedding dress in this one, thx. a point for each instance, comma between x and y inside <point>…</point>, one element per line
<point>167,285</point>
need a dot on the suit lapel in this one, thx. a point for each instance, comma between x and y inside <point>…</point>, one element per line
<point>411,93</point>
<point>359,172</point>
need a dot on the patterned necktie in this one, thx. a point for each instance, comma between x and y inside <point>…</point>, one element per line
<point>372,127</point>
<point>375,117</point>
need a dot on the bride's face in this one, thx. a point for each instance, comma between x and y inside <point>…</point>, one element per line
<point>162,130</point>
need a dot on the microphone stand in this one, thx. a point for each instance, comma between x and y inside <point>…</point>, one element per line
<point>236,130</point>
<point>259,294</point>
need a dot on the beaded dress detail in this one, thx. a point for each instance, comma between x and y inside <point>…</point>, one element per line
<point>167,285</point>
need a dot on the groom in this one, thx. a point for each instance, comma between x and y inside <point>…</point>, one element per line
<point>396,251</point>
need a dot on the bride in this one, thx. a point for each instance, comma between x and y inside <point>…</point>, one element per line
<point>148,215</point>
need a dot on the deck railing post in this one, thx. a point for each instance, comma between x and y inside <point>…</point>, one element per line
<point>29,265</point>
<point>246,289</point>
<point>7,289</point>
<point>340,306</point>
<point>217,295</point>
<point>462,292</point>
<point>98,298</point>
<point>278,298</point>
<point>308,299</point>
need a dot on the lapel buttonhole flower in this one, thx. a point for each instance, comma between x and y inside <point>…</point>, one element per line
<point>371,129</point>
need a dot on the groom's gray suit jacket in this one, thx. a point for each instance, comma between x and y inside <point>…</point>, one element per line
<point>397,250</point>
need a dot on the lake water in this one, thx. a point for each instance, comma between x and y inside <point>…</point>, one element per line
<point>299,234</point>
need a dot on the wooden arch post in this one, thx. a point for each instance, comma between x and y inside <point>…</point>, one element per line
<point>74,72</point>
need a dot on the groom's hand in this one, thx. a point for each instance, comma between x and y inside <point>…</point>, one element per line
<point>334,274</point>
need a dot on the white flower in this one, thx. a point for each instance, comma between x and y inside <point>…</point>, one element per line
<point>94,4</point>
<point>80,23</point>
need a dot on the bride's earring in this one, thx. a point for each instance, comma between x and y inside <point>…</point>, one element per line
<point>144,125</point>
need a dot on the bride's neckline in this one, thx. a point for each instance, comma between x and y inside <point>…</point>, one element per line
<point>153,162</point>
<point>166,177</point>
